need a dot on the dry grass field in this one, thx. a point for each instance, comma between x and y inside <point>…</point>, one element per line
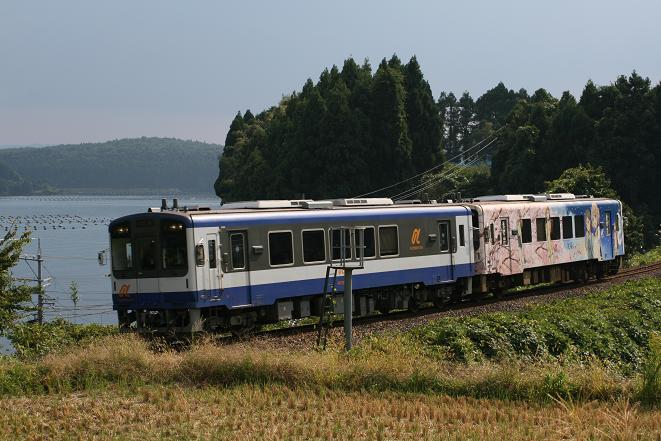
<point>280,413</point>
<point>605,383</point>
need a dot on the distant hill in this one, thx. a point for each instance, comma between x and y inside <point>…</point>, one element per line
<point>120,166</point>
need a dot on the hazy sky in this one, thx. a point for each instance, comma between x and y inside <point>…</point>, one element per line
<point>76,71</point>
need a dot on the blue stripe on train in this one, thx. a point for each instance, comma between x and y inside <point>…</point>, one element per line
<point>278,218</point>
<point>267,294</point>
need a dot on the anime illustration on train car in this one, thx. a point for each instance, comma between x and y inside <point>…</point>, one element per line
<point>557,237</point>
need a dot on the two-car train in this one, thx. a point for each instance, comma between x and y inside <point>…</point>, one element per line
<point>193,268</point>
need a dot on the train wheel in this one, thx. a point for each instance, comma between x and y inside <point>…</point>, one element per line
<point>244,329</point>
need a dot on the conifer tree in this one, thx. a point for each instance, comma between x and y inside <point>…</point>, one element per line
<point>423,119</point>
<point>13,298</point>
<point>235,127</point>
<point>391,145</point>
<point>465,123</point>
<point>451,127</point>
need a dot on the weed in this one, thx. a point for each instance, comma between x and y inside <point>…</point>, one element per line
<point>650,391</point>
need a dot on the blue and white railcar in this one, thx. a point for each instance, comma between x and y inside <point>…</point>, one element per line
<point>191,269</point>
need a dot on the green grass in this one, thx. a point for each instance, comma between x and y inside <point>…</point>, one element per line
<point>613,327</point>
<point>648,258</point>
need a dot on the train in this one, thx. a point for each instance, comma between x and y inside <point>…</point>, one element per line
<point>187,269</point>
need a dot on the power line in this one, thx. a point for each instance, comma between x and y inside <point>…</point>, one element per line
<point>438,179</point>
<point>431,169</point>
<point>71,258</point>
<point>415,189</point>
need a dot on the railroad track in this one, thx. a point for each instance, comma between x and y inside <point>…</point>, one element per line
<point>384,322</point>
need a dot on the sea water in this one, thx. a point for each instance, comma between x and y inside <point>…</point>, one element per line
<point>71,231</point>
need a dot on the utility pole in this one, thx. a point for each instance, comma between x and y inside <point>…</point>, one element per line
<point>357,247</point>
<point>42,282</point>
<point>40,286</point>
<point>348,309</point>
<point>345,266</point>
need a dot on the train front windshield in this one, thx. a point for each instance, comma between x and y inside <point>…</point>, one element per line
<point>148,248</point>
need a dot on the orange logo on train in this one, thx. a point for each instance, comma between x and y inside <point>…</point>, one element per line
<point>124,290</point>
<point>415,239</point>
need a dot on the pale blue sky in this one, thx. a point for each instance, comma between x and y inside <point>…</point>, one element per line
<point>75,71</point>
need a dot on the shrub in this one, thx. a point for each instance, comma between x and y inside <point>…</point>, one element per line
<point>33,339</point>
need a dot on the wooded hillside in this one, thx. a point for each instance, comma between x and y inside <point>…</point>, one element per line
<point>140,164</point>
<point>354,131</point>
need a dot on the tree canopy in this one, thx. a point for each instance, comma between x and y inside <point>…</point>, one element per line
<point>350,132</point>
<point>589,180</point>
<point>13,298</point>
<point>616,128</point>
<point>355,130</point>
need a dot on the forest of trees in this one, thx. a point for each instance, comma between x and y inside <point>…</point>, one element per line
<point>123,165</point>
<point>355,130</point>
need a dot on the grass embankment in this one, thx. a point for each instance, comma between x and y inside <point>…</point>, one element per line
<point>583,365</point>
<point>593,347</point>
<point>648,258</point>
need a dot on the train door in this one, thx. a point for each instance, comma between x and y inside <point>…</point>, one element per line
<point>447,247</point>
<point>606,239</point>
<point>505,244</point>
<point>237,267</point>
<point>212,276</point>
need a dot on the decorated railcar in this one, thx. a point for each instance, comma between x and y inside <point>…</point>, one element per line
<point>529,239</point>
<point>190,269</point>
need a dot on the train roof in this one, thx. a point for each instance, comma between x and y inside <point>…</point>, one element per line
<point>301,205</point>
<point>306,210</point>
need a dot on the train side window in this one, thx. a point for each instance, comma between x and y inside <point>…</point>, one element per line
<point>237,245</point>
<point>314,246</point>
<point>504,232</point>
<point>475,225</point>
<point>388,241</point>
<point>567,227</point>
<point>607,222</point>
<point>579,225</point>
<point>462,238</point>
<point>493,234</point>
<point>370,243</point>
<point>336,244</point>
<point>212,253</point>
<point>444,230</point>
<point>555,228</point>
<point>281,248</point>
<point>540,225</point>
<point>199,255</point>
<point>526,230</point>
<point>617,221</point>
